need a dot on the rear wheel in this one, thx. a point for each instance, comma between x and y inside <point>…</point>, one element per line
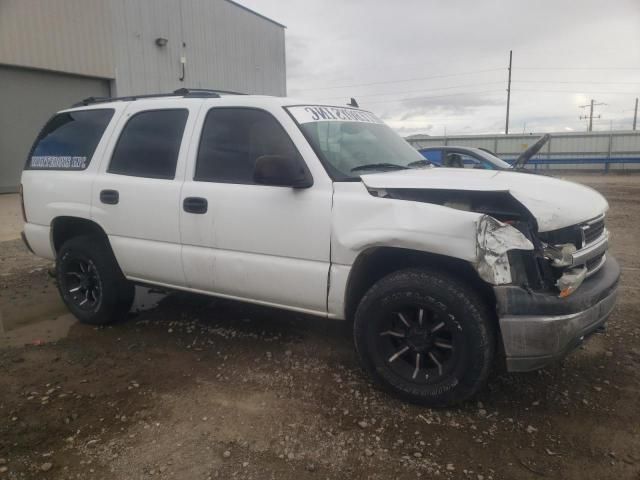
<point>425,336</point>
<point>90,281</point>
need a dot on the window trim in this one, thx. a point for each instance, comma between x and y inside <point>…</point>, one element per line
<point>39,137</point>
<point>115,146</point>
<point>229,107</point>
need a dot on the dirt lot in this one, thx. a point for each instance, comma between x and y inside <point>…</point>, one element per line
<point>202,388</point>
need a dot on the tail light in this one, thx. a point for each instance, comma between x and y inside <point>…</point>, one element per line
<point>24,213</point>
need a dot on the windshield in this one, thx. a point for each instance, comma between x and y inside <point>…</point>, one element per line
<point>492,158</point>
<point>353,142</point>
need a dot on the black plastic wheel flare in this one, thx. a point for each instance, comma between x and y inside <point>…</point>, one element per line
<point>82,283</point>
<point>419,344</point>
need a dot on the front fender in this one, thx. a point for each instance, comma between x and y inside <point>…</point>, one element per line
<point>361,221</point>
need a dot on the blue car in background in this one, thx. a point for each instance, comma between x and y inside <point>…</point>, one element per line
<point>463,157</point>
<point>469,157</point>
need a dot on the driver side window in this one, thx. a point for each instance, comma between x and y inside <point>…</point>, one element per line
<point>231,141</point>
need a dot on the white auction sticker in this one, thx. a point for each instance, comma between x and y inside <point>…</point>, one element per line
<point>321,113</point>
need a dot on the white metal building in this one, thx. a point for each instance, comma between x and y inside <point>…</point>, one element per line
<point>56,52</point>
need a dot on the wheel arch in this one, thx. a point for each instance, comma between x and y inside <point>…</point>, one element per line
<point>375,263</point>
<point>64,228</point>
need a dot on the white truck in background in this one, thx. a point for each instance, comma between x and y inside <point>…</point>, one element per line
<point>323,210</point>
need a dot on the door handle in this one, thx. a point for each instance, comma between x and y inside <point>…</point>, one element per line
<point>195,205</point>
<point>110,197</point>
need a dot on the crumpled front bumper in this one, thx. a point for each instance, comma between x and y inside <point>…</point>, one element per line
<point>539,328</point>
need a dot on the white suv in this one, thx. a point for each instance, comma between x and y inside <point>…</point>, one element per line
<point>323,210</point>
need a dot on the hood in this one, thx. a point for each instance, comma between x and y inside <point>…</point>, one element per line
<point>554,203</point>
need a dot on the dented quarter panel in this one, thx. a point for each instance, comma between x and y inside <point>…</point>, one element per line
<point>553,202</point>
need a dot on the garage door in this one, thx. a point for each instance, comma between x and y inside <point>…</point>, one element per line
<point>27,99</point>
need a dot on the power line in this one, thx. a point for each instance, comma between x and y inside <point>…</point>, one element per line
<point>607,92</point>
<point>579,68</point>
<point>590,117</point>
<point>571,82</point>
<point>435,96</point>
<point>416,91</point>
<point>403,80</point>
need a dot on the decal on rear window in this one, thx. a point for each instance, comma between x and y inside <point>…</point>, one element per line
<point>68,140</point>
<point>58,162</point>
<point>321,113</point>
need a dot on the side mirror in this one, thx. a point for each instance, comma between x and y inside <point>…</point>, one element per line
<point>281,171</point>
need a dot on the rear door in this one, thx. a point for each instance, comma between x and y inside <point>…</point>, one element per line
<point>136,197</point>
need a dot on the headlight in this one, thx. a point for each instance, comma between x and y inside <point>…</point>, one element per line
<point>494,239</point>
<point>560,255</point>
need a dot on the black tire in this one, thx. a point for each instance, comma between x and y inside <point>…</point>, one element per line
<point>90,281</point>
<point>425,336</point>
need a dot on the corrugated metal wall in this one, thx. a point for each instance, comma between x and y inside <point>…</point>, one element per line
<point>72,36</point>
<point>595,150</point>
<point>27,99</point>
<point>225,45</point>
<point>109,48</point>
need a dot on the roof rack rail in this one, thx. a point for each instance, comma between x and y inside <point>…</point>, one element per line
<point>204,92</point>
<point>182,92</point>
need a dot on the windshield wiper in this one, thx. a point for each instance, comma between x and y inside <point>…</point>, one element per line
<point>419,163</point>
<point>379,166</point>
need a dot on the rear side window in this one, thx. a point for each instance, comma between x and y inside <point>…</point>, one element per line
<point>233,138</point>
<point>149,144</point>
<point>68,140</point>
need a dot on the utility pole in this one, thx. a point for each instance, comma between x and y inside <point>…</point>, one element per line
<point>635,114</point>
<point>590,117</point>
<point>506,127</point>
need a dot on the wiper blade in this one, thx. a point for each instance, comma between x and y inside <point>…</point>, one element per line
<point>419,163</point>
<point>378,166</point>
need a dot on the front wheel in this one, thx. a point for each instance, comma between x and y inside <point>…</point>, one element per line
<point>425,336</point>
<point>90,281</point>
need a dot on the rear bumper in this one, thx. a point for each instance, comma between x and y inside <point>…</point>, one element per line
<point>38,240</point>
<point>25,241</point>
<point>539,328</point>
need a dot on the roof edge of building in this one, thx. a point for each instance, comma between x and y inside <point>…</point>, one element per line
<point>256,13</point>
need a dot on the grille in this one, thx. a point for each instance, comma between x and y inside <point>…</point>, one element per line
<point>593,230</point>
<point>594,263</point>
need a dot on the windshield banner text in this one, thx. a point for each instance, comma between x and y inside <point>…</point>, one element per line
<point>320,113</point>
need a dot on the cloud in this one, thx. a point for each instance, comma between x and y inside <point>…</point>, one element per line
<point>431,64</point>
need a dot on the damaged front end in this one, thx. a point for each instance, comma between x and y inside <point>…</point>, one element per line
<point>554,282</point>
<point>509,248</point>
<point>494,240</point>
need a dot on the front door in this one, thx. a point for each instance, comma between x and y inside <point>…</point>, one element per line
<point>243,240</point>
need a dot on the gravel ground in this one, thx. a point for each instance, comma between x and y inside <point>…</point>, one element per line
<point>202,388</point>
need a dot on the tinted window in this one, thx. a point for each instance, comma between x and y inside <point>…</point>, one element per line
<point>68,140</point>
<point>149,144</point>
<point>233,138</point>
<point>434,156</point>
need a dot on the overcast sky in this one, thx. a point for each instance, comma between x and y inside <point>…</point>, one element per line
<point>429,65</point>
